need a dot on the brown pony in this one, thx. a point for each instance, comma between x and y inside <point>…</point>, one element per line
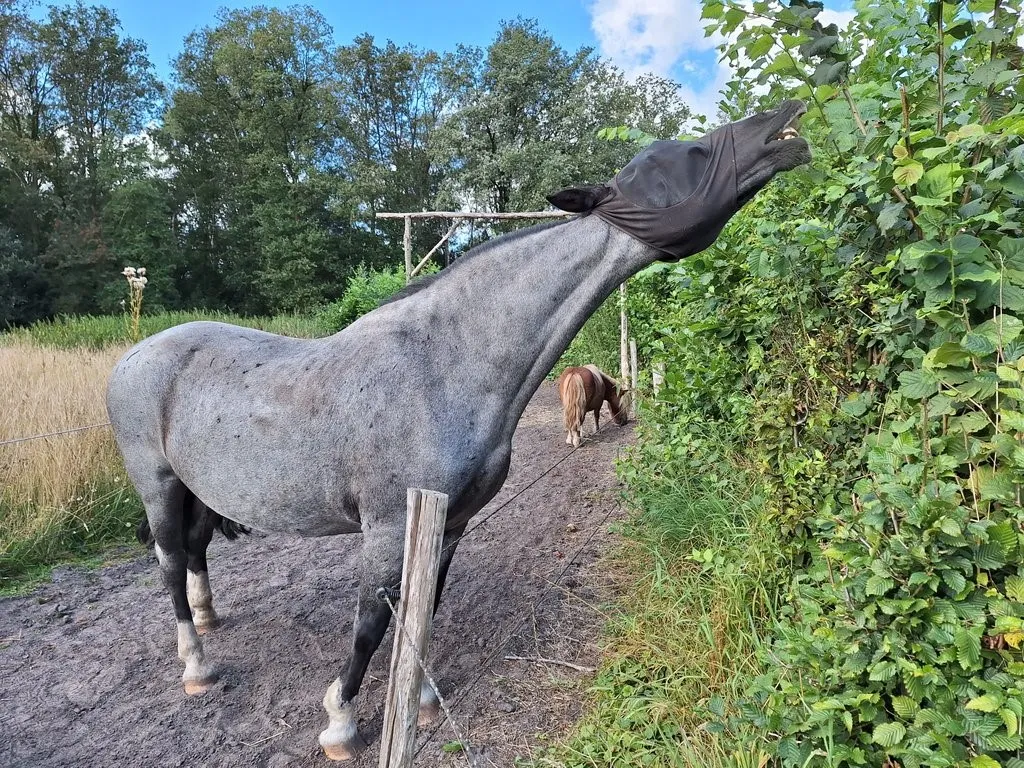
<point>583,389</point>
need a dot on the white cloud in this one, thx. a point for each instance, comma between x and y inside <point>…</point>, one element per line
<point>664,37</point>
<point>841,19</point>
<point>643,36</point>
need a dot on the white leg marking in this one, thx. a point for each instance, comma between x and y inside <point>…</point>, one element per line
<point>341,740</point>
<point>199,674</point>
<point>200,599</point>
<point>430,707</point>
<point>159,554</point>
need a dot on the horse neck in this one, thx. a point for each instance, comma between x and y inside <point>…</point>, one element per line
<point>520,301</point>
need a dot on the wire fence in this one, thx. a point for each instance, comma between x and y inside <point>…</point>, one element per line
<point>53,434</point>
<point>385,593</point>
<point>447,708</point>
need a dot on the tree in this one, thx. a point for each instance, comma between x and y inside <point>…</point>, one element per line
<point>390,102</point>
<point>528,121</point>
<point>74,97</point>
<point>252,137</point>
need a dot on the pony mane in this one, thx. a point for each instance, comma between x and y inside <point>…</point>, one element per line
<point>426,281</point>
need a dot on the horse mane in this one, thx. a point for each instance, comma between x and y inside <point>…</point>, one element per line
<point>426,281</point>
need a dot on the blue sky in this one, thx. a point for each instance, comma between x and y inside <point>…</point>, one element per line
<point>662,36</point>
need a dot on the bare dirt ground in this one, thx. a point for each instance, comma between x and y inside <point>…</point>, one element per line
<point>90,675</point>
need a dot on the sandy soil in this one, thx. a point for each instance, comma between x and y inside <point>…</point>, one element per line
<point>91,678</point>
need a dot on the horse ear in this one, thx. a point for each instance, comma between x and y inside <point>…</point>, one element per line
<point>579,199</point>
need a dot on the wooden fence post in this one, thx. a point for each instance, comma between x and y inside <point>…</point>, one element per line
<point>426,512</point>
<point>633,376</point>
<point>657,377</point>
<point>623,337</point>
<point>407,245</point>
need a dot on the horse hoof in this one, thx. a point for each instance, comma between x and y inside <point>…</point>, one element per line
<point>428,713</point>
<point>208,626</point>
<point>195,687</point>
<point>199,678</point>
<point>343,750</point>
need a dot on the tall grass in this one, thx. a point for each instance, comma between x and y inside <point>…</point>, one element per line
<point>697,574</point>
<point>66,494</point>
<point>100,331</point>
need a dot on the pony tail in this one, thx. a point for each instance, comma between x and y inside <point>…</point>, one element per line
<point>574,403</point>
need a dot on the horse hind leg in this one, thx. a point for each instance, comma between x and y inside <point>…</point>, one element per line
<point>165,508</point>
<point>200,524</point>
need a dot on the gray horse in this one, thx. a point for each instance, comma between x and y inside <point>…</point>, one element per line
<point>323,437</point>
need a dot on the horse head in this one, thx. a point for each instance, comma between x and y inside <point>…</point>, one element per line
<point>676,196</point>
<point>619,402</point>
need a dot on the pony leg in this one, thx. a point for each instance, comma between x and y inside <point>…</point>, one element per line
<point>383,551</point>
<point>597,420</point>
<point>430,707</point>
<point>197,580</point>
<point>164,507</point>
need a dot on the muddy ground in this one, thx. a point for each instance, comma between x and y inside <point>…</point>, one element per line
<point>90,676</point>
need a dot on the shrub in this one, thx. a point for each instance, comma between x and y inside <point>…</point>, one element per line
<point>365,290</point>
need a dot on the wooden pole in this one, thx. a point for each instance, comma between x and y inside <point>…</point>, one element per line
<point>657,377</point>
<point>623,337</point>
<point>474,215</point>
<point>442,241</point>
<point>632,376</point>
<point>426,512</point>
<point>407,245</point>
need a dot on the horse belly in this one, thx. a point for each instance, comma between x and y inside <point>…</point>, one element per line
<point>271,486</point>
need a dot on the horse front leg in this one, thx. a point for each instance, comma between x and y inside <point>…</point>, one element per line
<point>382,556</point>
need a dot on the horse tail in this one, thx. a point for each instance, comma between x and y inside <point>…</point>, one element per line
<point>144,534</point>
<point>574,401</point>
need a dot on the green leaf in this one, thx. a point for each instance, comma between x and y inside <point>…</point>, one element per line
<point>712,11</point>
<point>1010,720</point>
<point>968,648</point>
<point>987,703</point>
<point>1001,330</point>
<point>889,734</point>
<point>889,215</point>
<point>940,181</point>
<point>1015,588</point>
<point>878,585</point>
<point>1011,420</point>
<point>918,383</point>
<point>905,707</point>
<point>909,174</point>
<point>951,354</point>
<point>984,761</point>
<point>977,344</point>
<point>995,484</point>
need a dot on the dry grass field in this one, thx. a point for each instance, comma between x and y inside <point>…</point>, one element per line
<point>60,493</point>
